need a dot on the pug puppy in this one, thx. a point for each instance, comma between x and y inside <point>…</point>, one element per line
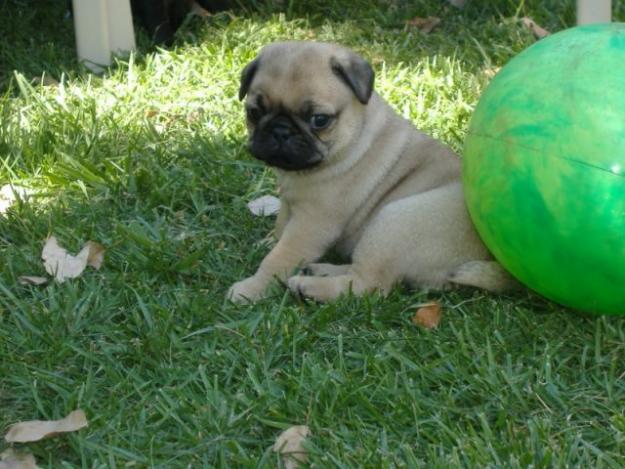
<point>355,176</point>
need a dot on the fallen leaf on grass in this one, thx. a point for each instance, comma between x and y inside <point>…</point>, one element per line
<point>45,80</point>
<point>32,280</point>
<point>11,459</point>
<point>96,254</point>
<point>9,193</point>
<point>491,72</point>
<point>534,28</point>
<point>425,25</point>
<point>289,445</point>
<point>264,206</point>
<point>62,265</point>
<point>428,315</point>
<point>197,10</point>
<point>35,430</point>
<point>457,3</point>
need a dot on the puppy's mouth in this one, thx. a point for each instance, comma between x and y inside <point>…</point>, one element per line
<point>287,161</point>
<point>283,145</point>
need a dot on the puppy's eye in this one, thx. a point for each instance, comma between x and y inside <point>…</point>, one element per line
<point>253,113</point>
<point>320,121</point>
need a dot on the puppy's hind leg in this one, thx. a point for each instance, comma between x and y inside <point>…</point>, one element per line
<point>319,288</point>
<point>322,282</point>
<point>373,267</point>
<point>326,270</point>
<point>329,288</point>
<point>489,275</point>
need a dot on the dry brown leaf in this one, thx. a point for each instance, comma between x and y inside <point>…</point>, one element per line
<point>9,193</point>
<point>491,72</point>
<point>32,280</point>
<point>96,254</point>
<point>59,263</point>
<point>62,265</point>
<point>11,459</point>
<point>193,116</point>
<point>264,206</point>
<point>197,10</point>
<point>428,315</point>
<point>425,25</point>
<point>289,445</point>
<point>534,28</point>
<point>45,80</point>
<point>35,430</point>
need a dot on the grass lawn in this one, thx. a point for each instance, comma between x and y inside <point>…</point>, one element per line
<point>150,160</point>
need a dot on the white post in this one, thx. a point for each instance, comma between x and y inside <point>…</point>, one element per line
<point>103,27</point>
<point>594,11</point>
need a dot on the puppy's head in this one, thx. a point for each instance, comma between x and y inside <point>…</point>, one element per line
<point>305,102</point>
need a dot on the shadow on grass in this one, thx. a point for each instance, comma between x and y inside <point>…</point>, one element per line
<point>36,38</point>
<point>39,36</point>
<point>163,211</point>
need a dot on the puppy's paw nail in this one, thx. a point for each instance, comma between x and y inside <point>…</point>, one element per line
<point>295,286</point>
<point>291,283</point>
<point>236,297</point>
<point>245,291</point>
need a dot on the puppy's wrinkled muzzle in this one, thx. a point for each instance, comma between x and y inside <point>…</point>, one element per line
<point>280,143</point>
<point>281,134</point>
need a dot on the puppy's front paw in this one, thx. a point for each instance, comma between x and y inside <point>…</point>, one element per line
<point>247,291</point>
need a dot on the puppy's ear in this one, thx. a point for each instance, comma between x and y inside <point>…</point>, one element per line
<point>356,73</point>
<point>247,75</point>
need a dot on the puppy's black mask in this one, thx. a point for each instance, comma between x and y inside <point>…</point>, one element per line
<point>282,141</point>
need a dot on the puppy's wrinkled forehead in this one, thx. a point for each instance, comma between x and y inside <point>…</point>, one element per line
<point>291,75</point>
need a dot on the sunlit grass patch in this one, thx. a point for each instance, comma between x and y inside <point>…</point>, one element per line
<point>150,160</point>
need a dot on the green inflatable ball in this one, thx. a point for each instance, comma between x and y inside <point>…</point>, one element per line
<point>544,168</point>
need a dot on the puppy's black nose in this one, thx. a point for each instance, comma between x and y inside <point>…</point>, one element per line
<point>281,133</point>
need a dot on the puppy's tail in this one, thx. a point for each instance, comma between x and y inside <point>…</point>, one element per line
<point>489,275</point>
